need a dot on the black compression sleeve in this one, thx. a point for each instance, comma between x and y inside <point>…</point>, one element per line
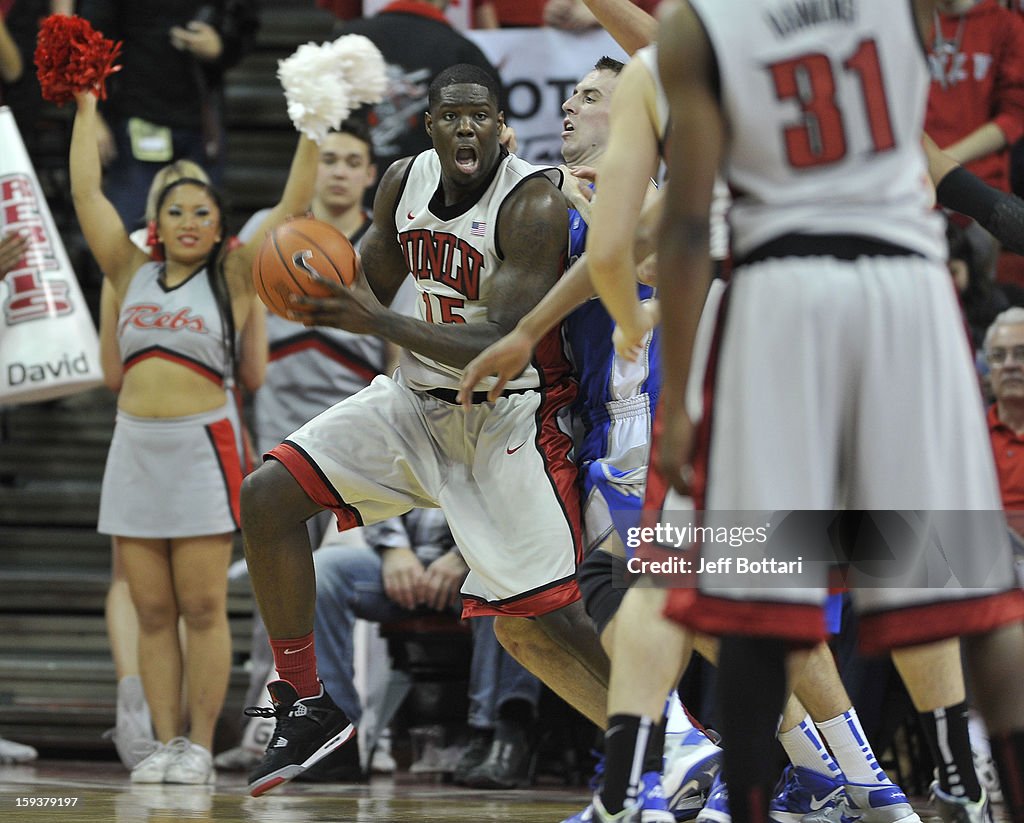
<point>963,192</point>
<point>1001,214</point>
<point>1007,223</point>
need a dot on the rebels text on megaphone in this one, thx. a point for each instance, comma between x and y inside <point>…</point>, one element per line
<point>32,296</point>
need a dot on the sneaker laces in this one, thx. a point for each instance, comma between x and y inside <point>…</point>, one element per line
<point>265,711</point>
<point>141,748</point>
<point>192,755</point>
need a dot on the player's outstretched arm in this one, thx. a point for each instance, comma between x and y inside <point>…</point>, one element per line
<point>623,178</point>
<point>630,25</point>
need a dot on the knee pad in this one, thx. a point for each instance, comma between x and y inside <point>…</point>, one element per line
<point>601,577</point>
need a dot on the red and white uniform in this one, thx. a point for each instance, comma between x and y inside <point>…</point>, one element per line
<point>179,476</point>
<point>839,377</point>
<point>179,323</point>
<point>451,252</point>
<point>501,472</point>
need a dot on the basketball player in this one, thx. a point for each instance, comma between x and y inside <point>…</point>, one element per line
<point>833,230</point>
<point>309,370</point>
<point>483,234</point>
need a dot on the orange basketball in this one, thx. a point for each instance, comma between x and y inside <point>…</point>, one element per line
<point>292,253</point>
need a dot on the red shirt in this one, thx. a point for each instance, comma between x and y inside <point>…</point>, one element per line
<point>977,62</point>
<point>1008,448</point>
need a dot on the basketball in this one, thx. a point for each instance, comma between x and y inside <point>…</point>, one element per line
<point>292,253</point>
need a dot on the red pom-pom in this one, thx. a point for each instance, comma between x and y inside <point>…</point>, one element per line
<point>71,57</point>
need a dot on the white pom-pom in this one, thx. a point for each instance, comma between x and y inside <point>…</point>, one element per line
<point>324,83</point>
<point>317,102</point>
<point>362,67</point>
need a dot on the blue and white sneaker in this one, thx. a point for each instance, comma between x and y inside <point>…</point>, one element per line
<point>692,761</point>
<point>805,795</point>
<point>959,809</point>
<point>716,809</point>
<point>876,803</point>
<point>650,806</point>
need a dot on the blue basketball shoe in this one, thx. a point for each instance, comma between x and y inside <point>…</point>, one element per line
<point>650,806</point>
<point>692,761</point>
<point>959,809</point>
<point>873,803</point>
<point>803,792</point>
<point>716,809</point>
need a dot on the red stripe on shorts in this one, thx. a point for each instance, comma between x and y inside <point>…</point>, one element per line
<point>225,446</point>
<point>539,601</point>
<point>554,446</point>
<point>914,625</point>
<point>799,623</point>
<point>314,484</point>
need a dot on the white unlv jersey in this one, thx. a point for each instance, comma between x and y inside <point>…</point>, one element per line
<point>824,102</point>
<point>452,253</point>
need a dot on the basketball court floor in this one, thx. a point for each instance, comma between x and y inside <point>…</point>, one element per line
<point>64,791</point>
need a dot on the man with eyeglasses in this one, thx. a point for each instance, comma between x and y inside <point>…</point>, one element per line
<point>1004,351</point>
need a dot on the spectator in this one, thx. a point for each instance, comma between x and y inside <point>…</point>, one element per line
<point>503,699</point>
<point>1004,351</point>
<point>417,43</point>
<point>976,101</point>
<point>167,103</point>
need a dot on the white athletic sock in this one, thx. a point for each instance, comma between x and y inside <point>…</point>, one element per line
<point>805,748</point>
<point>850,747</point>
<point>677,721</point>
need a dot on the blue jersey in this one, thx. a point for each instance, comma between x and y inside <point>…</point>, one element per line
<point>614,407</point>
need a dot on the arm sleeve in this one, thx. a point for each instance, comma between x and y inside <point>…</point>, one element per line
<point>999,213</point>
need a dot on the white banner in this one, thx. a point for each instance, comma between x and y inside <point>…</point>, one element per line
<point>48,343</point>
<point>540,68</point>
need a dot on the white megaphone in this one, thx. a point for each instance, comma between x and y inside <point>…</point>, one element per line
<point>48,343</point>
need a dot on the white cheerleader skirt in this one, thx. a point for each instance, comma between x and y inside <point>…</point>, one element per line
<point>172,477</point>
